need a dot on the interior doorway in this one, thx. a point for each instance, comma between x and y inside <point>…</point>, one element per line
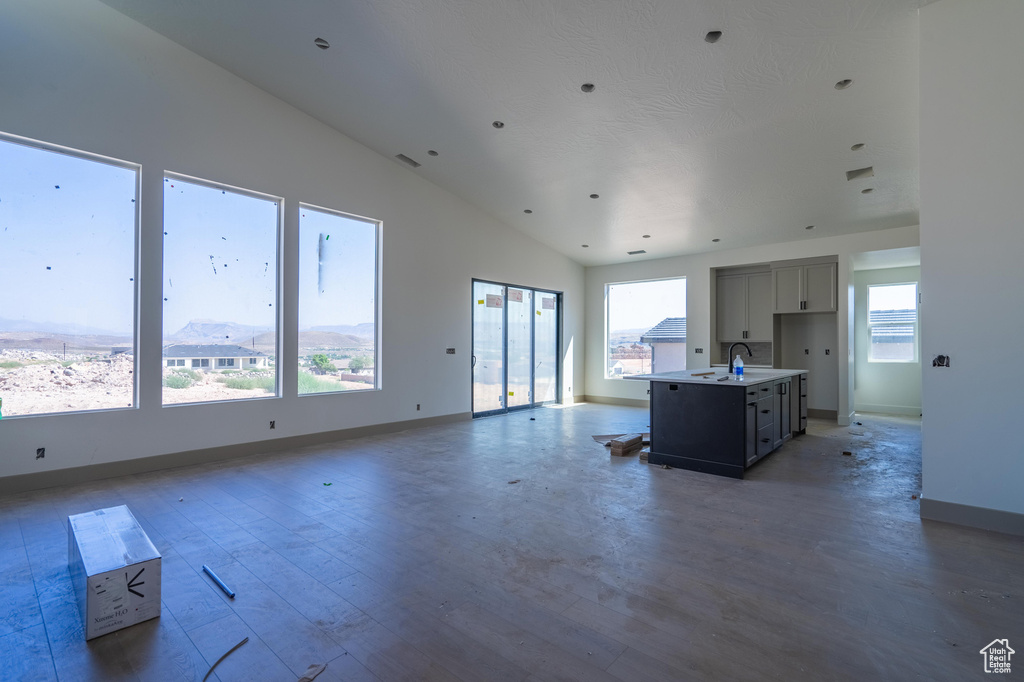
<point>516,332</point>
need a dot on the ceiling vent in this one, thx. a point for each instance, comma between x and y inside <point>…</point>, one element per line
<point>635,253</point>
<point>868,172</point>
<point>321,43</point>
<point>406,160</point>
<point>713,36</point>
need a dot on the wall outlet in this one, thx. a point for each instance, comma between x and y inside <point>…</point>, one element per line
<point>828,352</point>
<point>417,407</point>
<point>40,453</point>
<point>449,351</point>
<point>807,351</point>
<point>273,424</point>
<point>698,351</point>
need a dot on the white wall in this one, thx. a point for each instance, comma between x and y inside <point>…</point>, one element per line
<point>884,387</point>
<point>77,73</point>
<point>698,272</point>
<point>972,248</point>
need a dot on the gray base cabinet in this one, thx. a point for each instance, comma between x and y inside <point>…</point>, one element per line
<point>723,429</point>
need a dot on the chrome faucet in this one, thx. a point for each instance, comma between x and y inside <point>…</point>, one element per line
<point>738,343</point>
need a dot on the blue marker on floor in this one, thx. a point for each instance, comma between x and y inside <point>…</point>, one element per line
<point>209,572</point>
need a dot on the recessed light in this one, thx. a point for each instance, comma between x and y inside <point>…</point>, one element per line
<point>498,124</point>
<point>716,240</point>
<point>647,236</point>
<point>809,227</point>
<point>595,196</point>
<point>635,253</point>
<point>713,36</point>
<point>843,84</point>
<point>527,211</point>
<point>869,190</point>
<point>321,43</point>
<point>587,87</point>
<point>431,152</point>
<point>585,246</point>
<point>857,147</point>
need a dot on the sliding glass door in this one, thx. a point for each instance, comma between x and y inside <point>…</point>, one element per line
<point>515,347</point>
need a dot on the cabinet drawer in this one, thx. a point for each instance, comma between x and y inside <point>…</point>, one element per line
<point>765,440</point>
<point>765,413</point>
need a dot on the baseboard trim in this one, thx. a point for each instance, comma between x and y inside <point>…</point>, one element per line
<point>975,517</point>
<point>822,414</point>
<point>622,402</point>
<point>901,410</point>
<point>96,472</point>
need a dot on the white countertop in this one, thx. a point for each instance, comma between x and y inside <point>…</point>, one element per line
<point>751,376</point>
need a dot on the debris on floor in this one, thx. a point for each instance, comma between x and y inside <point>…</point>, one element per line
<point>623,446</point>
<point>847,453</point>
<point>312,671</point>
<point>665,466</point>
<point>232,649</point>
<point>643,455</point>
<point>913,497</point>
<point>515,481</point>
<point>606,439</point>
<point>328,484</point>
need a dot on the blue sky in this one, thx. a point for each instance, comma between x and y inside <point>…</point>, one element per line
<point>636,305</point>
<point>67,240</point>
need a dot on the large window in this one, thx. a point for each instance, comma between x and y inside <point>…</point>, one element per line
<point>67,257</point>
<point>220,292</point>
<point>646,329</point>
<point>337,302</point>
<point>892,322</point>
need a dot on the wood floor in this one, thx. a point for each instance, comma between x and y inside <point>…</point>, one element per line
<point>515,548</point>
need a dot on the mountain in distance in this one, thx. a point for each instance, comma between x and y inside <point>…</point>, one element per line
<point>211,331</point>
<point>364,330</point>
<point>315,341</point>
<point>8,325</point>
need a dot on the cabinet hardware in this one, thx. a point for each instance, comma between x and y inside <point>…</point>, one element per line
<point>754,404</point>
<point>765,411</point>
<point>766,440</point>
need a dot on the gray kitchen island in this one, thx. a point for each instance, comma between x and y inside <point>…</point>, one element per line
<point>716,424</point>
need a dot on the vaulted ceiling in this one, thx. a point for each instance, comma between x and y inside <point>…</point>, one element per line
<point>746,140</point>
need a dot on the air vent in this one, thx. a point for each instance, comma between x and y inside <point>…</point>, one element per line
<point>713,36</point>
<point>868,172</point>
<point>406,160</point>
<point>635,253</point>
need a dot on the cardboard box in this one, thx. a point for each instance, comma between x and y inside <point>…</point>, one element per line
<point>115,570</point>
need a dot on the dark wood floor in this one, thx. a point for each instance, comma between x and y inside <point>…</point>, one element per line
<point>423,560</point>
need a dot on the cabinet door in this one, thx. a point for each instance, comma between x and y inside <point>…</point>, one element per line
<point>787,290</point>
<point>759,307</point>
<point>732,307</point>
<point>782,410</point>
<point>750,440</point>
<point>820,288</point>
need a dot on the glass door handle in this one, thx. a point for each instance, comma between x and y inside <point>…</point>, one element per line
<point>474,362</point>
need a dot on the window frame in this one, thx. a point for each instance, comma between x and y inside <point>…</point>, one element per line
<point>279,247</point>
<point>136,255</point>
<point>378,268</point>
<point>916,324</point>
<point>607,318</point>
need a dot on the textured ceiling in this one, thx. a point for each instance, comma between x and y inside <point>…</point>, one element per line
<point>746,140</point>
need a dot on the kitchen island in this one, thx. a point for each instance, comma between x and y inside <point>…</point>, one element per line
<point>706,420</point>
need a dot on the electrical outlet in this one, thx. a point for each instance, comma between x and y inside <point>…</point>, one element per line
<point>417,407</point>
<point>828,352</point>
<point>273,424</point>
<point>698,351</point>
<point>807,351</point>
<point>449,351</point>
<point>40,453</point>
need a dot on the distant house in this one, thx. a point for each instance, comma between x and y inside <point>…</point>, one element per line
<point>211,356</point>
<point>668,344</point>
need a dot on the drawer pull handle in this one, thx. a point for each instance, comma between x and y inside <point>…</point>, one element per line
<point>751,404</point>
<point>765,411</point>
<point>766,440</point>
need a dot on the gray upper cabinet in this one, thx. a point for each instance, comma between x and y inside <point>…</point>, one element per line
<point>804,288</point>
<point>744,307</point>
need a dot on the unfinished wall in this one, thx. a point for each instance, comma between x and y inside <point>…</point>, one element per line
<point>972,243</point>
<point>79,74</point>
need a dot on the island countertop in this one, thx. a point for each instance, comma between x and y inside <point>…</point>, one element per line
<point>752,375</point>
